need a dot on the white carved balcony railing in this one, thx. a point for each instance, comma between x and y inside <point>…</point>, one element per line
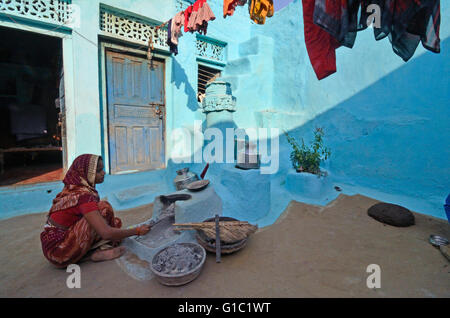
<point>132,28</point>
<point>57,12</point>
<point>211,50</point>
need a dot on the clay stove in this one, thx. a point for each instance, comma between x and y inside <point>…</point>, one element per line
<point>179,207</point>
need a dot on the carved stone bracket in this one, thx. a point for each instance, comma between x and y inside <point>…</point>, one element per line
<point>218,98</point>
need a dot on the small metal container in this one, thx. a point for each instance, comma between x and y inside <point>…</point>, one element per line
<point>183,178</point>
<point>437,240</point>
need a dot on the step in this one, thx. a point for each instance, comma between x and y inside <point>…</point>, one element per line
<point>257,45</point>
<point>238,66</point>
<point>271,118</point>
<point>233,80</point>
<point>140,195</point>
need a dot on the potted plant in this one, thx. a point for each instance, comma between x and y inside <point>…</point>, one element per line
<point>308,158</point>
<point>304,181</point>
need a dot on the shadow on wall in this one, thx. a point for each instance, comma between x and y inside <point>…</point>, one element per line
<point>393,136</point>
<point>179,77</point>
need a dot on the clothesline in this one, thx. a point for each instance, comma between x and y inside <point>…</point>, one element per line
<point>425,28</point>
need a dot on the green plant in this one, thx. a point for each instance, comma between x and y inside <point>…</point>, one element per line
<point>308,159</point>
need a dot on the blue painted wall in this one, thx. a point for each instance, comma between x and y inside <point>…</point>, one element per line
<point>386,121</point>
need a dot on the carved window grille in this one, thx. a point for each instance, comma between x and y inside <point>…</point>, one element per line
<point>211,49</point>
<point>132,28</point>
<point>50,11</point>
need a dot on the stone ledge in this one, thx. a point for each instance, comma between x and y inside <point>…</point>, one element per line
<point>309,185</point>
<point>136,193</point>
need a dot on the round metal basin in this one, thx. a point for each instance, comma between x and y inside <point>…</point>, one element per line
<point>178,264</point>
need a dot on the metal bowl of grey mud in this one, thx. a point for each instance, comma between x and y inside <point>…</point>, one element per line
<point>178,264</point>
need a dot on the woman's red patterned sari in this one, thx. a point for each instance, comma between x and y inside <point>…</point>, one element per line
<point>67,236</point>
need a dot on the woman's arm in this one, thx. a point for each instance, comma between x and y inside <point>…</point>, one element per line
<point>111,233</point>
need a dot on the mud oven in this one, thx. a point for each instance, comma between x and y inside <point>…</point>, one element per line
<point>179,207</point>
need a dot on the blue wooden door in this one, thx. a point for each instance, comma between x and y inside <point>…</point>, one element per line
<point>136,115</point>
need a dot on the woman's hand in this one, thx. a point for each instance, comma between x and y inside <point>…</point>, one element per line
<point>111,233</point>
<point>143,229</point>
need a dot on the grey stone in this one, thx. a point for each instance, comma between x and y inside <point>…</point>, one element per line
<point>391,214</point>
<point>445,250</point>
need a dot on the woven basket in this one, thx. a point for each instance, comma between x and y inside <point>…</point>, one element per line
<point>225,248</point>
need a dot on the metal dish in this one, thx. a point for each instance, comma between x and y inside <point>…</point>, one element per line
<point>197,185</point>
<point>437,240</point>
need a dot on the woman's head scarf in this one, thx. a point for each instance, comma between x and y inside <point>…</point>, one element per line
<point>79,184</point>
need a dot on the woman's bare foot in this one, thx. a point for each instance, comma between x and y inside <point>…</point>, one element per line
<point>106,255</point>
<point>116,243</point>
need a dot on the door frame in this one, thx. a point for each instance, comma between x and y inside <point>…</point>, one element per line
<point>124,49</point>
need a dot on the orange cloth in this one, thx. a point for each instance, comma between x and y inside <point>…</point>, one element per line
<point>230,5</point>
<point>259,9</point>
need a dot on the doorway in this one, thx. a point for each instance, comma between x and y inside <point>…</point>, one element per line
<point>31,108</point>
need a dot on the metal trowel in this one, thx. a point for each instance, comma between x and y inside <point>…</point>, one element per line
<point>169,207</point>
<point>167,212</point>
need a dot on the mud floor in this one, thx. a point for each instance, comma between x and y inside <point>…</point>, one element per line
<point>310,251</point>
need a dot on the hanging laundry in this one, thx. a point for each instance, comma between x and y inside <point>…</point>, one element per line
<point>230,5</point>
<point>187,16</point>
<point>195,7</point>
<point>320,44</point>
<point>192,20</point>
<point>173,47</point>
<point>339,18</point>
<point>407,23</point>
<point>177,23</point>
<point>200,16</point>
<point>329,24</point>
<point>260,9</point>
<point>204,15</point>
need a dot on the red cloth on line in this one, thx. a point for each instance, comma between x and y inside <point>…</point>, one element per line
<point>321,46</point>
<point>187,15</point>
<point>197,17</point>
<point>189,11</point>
